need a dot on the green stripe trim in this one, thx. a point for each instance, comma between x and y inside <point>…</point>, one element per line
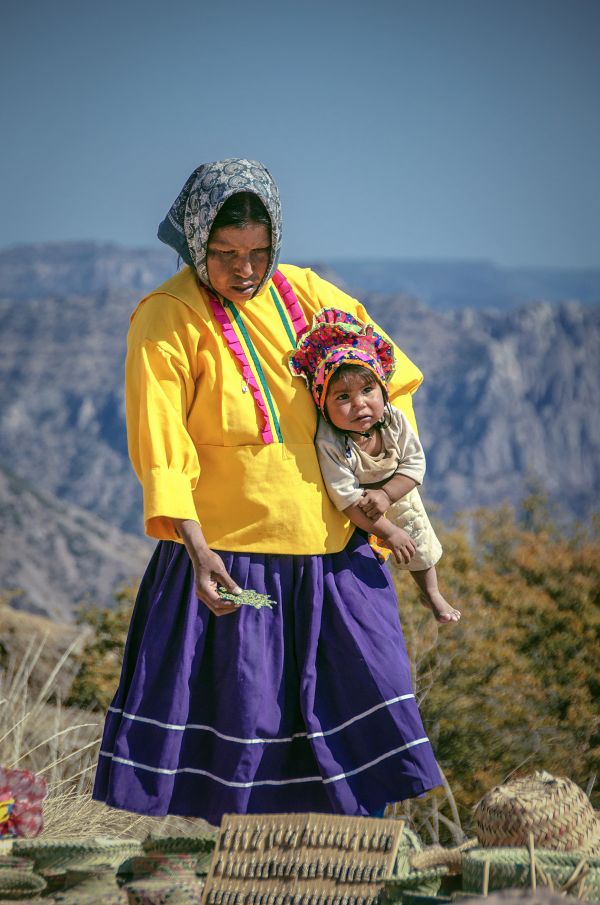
<point>284,319</point>
<point>257,365</point>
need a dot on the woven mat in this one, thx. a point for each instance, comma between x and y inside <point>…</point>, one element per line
<point>301,859</point>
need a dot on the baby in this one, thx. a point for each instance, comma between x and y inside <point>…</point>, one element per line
<point>370,457</point>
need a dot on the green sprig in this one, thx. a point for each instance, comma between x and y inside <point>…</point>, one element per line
<point>248,598</point>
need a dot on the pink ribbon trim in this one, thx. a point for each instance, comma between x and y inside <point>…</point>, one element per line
<point>299,324</point>
<point>291,303</point>
<point>234,344</point>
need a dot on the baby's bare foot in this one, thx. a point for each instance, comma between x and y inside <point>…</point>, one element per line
<point>440,607</point>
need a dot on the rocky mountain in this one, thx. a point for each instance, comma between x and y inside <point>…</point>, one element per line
<point>81,268</point>
<point>89,268</point>
<point>510,399</point>
<point>509,395</point>
<point>446,285</point>
<point>55,556</point>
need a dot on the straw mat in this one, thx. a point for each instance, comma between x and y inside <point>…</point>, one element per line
<point>301,859</point>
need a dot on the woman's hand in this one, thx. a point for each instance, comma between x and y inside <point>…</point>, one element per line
<point>399,542</point>
<point>209,569</point>
<point>374,503</point>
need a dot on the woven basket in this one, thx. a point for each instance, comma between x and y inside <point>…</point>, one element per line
<point>11,862</point>
<point>36,900</point>
<point>417,898</point>
<point>100,897</point>
<point>512,867</point>
<point>406,878</point>
<point>20,884</point>
<point>78,852</point>
<point>541,896</point>
<point>439,856</point>
<point>88,886</point>
<point>6,844</point>
<point>160,892</point>
<point>202,843</point>
<point>55,879</point>
<point>161,866</point>
<point>202,846</point>
<point>424,882</point>
<point>555,810</point>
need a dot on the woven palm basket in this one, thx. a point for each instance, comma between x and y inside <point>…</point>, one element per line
<point>6,843</point>
<point>541,896</point>
<point>156,865</point>
<point>91,885</point>
<point>423,878</point>
<point>77,852</point>
<point>575,873</point>
<point>10,862</point>
<point>19,884</point>
<point>441,856</point>
<point>555,810</point>
<point>34,901</point>
<point>202,846</point>
<point>160,892</point>
<point>417,898</point>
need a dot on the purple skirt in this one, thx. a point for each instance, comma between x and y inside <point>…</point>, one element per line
<point>306,707</point>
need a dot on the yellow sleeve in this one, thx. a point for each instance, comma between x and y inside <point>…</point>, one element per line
<point>407,377</point>
<point>158,393</point>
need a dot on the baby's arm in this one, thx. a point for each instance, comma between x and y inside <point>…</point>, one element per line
<point>394,537</point>
<point>378,498</point>
<point>345,492</point>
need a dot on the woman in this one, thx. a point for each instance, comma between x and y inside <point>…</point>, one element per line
<point>306,707</point>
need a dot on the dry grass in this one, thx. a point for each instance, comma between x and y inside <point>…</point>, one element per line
<point>435,817</point>
<point>37,733</point>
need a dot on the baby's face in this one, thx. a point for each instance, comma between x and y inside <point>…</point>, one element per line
<point>354,404</point>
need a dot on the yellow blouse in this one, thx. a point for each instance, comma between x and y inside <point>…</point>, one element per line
<point>194,431</point>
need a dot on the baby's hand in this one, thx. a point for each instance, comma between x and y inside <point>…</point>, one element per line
<point>399,542</point>
<point>374,503</point>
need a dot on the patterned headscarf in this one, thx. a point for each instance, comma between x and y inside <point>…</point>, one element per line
<point>187,225</point>
<point>337,338</point>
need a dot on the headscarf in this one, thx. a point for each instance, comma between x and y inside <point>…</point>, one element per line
<point>187,226</point>
<point>337,338</point>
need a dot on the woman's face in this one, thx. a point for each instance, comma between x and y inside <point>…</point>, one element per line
<point>237,260</point>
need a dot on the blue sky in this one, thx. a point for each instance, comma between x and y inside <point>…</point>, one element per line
<point>413,129</point>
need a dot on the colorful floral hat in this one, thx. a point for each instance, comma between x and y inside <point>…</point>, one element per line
<point>21,797</point>
<point>337,338</point>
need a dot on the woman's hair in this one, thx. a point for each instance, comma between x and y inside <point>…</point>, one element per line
<point>241,210</point>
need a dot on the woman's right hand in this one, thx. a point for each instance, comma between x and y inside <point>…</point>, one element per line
<point>209,570</point>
